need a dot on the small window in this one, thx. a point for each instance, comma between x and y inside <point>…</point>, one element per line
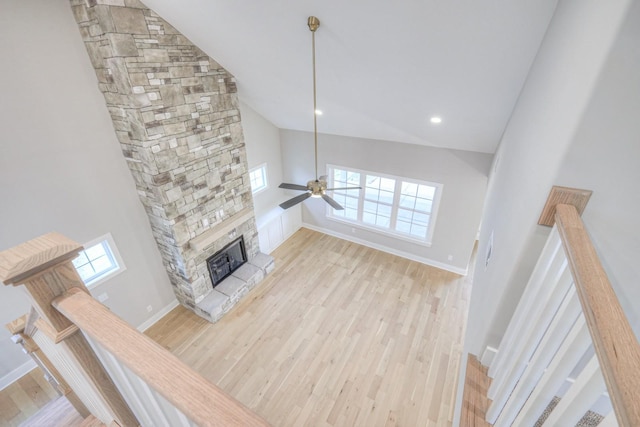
<point>98,261</point>
<point>258,178</point>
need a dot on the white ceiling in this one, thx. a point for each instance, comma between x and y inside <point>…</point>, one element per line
<point>384,67</point>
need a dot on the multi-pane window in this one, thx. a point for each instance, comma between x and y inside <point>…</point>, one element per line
<point>98,260</point>
<point>414,211</point>
<point>378,200</point>
<point>400,206</point>
<point>258,178</point>
<point>347,198</point>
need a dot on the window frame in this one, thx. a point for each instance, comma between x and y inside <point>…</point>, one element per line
<point>261,167</point>
<point>114,255</point>
<point>391,231</point>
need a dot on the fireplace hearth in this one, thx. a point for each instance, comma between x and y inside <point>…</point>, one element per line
<point>226,261</point>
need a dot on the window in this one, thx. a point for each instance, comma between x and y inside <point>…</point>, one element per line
<point>347,198</point>
<point>378,200</point>
<point>414,210</point>
<point>394,205</point>
<point>98,261</point>
<point>258,178</point>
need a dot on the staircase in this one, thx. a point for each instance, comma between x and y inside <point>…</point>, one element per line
<point>567,350</point>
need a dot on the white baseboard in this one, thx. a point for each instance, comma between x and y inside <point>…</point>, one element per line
<point>488,355</point>
<point>383,248</point>
<point>159,315</point>
<point>16,374</point>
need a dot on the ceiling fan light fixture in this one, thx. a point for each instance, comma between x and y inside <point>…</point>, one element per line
<point>316,188</point>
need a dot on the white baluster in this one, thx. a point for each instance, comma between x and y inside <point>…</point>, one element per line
<point>609,421</point>
<point>557,333</point>
<point>565,360</point>
<point>550,252</point>
<point>150,401</point>
<point>124,384</point>
<point>138,395</point>
<point>173,414</point>
<point>580,397</point>
<point>549,301</point>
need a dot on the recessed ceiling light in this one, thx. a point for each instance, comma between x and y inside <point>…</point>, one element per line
<point>435,120</point>
<point>318,112</point>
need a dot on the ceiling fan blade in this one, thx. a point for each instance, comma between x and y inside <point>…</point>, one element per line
<point>294,201</point>
<point>293,186</point>
<point>333,203</point>
<point>345,188</point>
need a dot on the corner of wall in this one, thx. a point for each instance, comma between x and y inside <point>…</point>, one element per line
<point>16,374</point>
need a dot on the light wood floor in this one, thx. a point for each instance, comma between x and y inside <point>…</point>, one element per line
<point>25,397</point>
<point>338,335</point>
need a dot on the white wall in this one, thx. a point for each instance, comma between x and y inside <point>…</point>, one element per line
<point>61,168</point>
<point>545,134</point>
<point>262,140</point>
<point>538,136</point>
<point>463,174</point>
<point>605,157</point>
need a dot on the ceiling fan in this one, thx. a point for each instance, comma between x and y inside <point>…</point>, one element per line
<point>316,187</point>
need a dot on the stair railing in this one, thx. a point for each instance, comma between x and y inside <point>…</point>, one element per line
<point>24,332</point>
<point>134,380</point>
<point>567,307</point>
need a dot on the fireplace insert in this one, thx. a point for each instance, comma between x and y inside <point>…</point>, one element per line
<point>226,261</point>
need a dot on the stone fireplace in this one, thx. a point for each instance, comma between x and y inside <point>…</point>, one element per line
<point>175,113</point>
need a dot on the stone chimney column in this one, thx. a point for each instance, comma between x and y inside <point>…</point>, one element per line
<point>175,113</point>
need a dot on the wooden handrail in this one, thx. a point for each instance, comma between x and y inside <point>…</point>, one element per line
<point>198,399</point>
<point>613,339</point>
<point>44,266</point>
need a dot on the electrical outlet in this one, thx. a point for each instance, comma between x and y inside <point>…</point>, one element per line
<point>450,257</point>
<point>149,309</point>
<point>103,297</point>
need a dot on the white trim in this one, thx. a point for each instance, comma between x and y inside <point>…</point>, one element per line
<point>116,255</point>
<point>383,248</point>
<point>488,355</point>
<point>378,230</point>
<point>159,315</point>
<point>265,176</point>
<point>17,373</point>
<point>395,205</point>
<point>284,239</point>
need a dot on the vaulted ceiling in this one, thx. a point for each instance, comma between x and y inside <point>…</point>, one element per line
<point>384,67</point>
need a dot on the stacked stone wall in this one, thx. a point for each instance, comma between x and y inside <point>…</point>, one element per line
<point>175,113</point>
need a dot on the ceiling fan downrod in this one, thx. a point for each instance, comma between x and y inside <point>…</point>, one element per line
<point>314,24</point>
<point>317,187</point>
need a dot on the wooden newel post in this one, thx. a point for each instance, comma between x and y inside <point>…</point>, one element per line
<point>44,266</point>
